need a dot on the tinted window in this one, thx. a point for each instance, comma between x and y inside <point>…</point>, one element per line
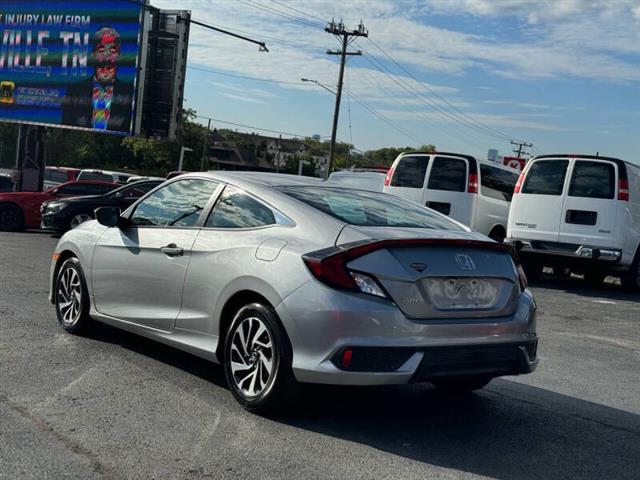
<point>546,177</point>
<point>136,190</point>
<point>6,184</point>
<point>178,204</point>
<point>593,180</point>
<point>58,176</point>
<point>358,207</point>
<point>236,209</point>
<point>103,177</point>
<point>448,174</point>
<point>84,189</point>
<point>410,172</point>
<point>497,183</point>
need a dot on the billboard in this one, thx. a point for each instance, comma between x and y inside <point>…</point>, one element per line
<point>70,63</point>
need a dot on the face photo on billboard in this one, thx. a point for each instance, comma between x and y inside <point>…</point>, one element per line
<point>101,101</point>
<point>70,64</point>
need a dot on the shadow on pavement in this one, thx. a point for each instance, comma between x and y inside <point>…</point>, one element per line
<point>509,430</point>
<point>607,290</point>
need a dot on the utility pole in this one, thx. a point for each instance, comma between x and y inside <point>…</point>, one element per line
<point>204,147</point>
<point>279,150</point>
<point>339,30</point>
<point>521,146</point>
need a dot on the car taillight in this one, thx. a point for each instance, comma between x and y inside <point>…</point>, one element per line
<point>623,189</point>
<point>524,281</point>
<point>387,179</point>
<point>519,183</point>
<point>473,183</point>
<point>330,267</point>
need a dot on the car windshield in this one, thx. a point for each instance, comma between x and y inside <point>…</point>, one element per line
<point>361,208</point>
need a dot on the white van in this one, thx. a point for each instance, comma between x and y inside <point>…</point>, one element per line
<point>476,193</point>
<point>363,180</point>
<point>578,212</point>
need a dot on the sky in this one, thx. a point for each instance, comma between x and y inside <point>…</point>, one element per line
<point>464,75</point>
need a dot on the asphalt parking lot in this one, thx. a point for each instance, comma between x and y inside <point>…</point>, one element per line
<point>113,405</point>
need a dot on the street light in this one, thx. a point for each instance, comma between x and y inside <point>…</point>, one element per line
<point>319,84</point>
<point>182,150</point>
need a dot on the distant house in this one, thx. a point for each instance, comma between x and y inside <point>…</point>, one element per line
<point>243,151</point>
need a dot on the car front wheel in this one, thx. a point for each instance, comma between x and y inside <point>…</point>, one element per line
<point>72,297</point>
<point>257,360</point>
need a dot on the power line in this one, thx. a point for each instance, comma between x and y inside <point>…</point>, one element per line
<point>385,119</point>
<point>298,11</point>
<point>465,136</point>
<point>500,134</point>
<point>246,77</point>
<point>410,89</point>
<point>280,13</point>
<point>521,145</point>
<point>252,127</point>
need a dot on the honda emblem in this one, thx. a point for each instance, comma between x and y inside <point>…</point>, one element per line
<point>465,262</point>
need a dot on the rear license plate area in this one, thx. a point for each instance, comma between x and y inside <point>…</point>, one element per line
<point>581,217</point>
<point>462,293</point>
<point>444,208</point>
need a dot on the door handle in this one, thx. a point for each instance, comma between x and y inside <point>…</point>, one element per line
<point>172,250</point>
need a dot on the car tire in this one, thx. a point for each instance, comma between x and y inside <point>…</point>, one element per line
<point>461,385</point>
<point>257,360</point>
<point>11,218</point>
<point>71,297</point>
<point>497,234</point>
<point>631,278</point>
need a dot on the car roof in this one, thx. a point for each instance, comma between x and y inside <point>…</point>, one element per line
<point>260,179</point>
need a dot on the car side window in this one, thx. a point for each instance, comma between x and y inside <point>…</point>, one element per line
<point>137,191</point>
<point>178,204</point>
<point>84,189</point>
<point>236,209</point>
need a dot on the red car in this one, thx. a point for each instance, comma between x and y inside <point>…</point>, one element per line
<point>20,210</point>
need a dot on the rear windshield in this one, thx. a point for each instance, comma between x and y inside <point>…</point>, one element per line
<point>370,209</point>
<point>104,177</point>
<point>546,177</point>
<point>410,171</point>
<point>497,183</point>
<point>448,174</point>
<point>593,180</point>
<point>59,176</point>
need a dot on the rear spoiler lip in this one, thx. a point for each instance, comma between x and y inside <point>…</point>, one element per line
<point>357,249</point>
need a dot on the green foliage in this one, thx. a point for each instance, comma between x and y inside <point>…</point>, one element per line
<point>386,156</point>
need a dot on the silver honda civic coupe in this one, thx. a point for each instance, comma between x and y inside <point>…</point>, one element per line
<point>287,280</point>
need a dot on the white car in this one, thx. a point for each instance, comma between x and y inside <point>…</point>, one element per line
<point>476,193</point>
<point>579,212</point>
<point>104,176</point>
<point>371,181</point>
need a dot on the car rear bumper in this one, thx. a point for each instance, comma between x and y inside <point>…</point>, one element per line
<point>580,257</point>
<point>388,348</point>
<point>585,252</point>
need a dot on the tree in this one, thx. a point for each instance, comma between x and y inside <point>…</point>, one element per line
<point>385,156</point>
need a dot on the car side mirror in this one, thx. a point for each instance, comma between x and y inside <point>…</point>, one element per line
<point>108,216</point>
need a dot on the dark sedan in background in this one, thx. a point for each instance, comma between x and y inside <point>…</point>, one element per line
<point>66,214</point>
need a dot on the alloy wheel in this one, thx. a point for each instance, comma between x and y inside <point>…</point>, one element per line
<point>252,356</point>
<point>79,219</point>
<point>69,296</point>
